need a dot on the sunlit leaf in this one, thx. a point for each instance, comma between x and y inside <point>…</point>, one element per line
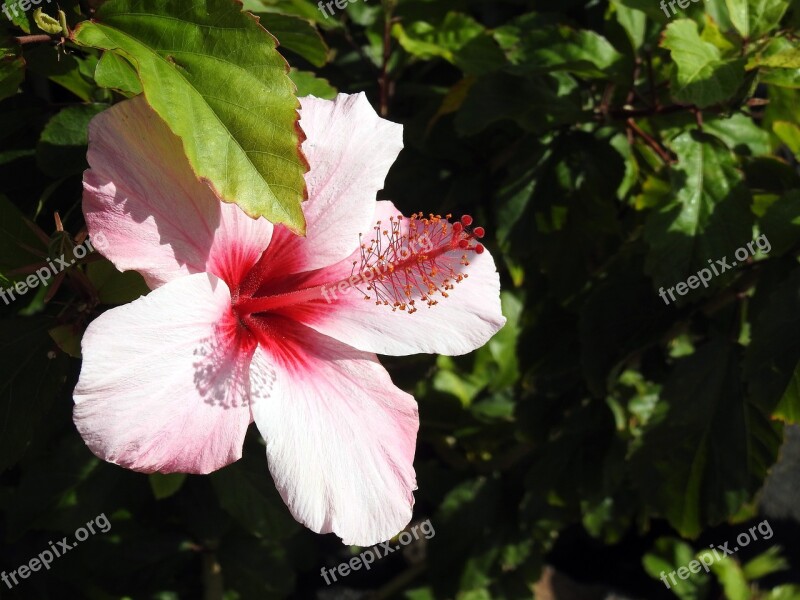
<point>238,117</point>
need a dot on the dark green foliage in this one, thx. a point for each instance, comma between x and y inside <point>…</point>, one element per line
<point>610,151</point>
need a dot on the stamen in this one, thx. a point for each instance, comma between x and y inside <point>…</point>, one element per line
<point>412,259</point>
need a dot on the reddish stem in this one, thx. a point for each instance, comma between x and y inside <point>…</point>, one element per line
<point>650,141</point>
<point>34,39</point>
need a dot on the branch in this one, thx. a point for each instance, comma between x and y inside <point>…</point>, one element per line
<point>348,36</point>
<point>213,588</point>
<point>650,141</point>
<point>34,39</point>
<point>626,113</point>
<point>387,54</point>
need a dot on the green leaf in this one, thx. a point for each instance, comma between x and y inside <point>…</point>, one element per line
<point>771,59</point>
<point>465,388</point>
<point>238,117</point>
<point>740,133</point>
<point>297,35</point>
<point>494,366</point>
<point>534,103</point>
<point>789,133</point>
<point>633,21</point>
<point>502,348</point>
<point>713,34</point>
<point>768,562</point>
<point>32,371</point>
<point>533,47</point>
<point>781,223</point>
<point>738,11</point>
<point>304,9</point>
<point>166,485</point>
<point>788,407</point>
<point>12,70</point>
<point>425,593</point>
<point>480,55</point>
<point>443,40</point>
<point>771,174</point>
<point>622,315</point>
<point>754,18</point>
<point>784,592</point>
<point>478,502</point>
<point>61,149</point>
<point>19,245</point>
<point>707,217</point>
<point>114,287</point>
<point>701,75</point>
<point>730,576</point>
<point>246,491</point>
<point>667,556</point>
<point>574,465</point>
<point>18,17</point>
<point>116,73</point>
<point>709,452</point>
<point>70,71</point>
<point>309,84</point>
<point>770,365</point>
<point>651,9</point>
<point>785,59</point>
<point>68,339</point>
<point>257,568</point>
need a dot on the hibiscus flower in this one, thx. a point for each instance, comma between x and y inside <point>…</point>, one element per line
<point>247,322</point>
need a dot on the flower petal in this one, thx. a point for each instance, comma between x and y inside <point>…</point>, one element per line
<point>165,380</point>
<point>156,216</point>
<point>350,150</point>
<point>458,324</point>
<point>340,436</point>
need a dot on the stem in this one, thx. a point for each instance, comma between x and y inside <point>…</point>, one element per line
<point>650,112</point>
<point>400,582</point>
<point>698,115</point>
<point>34,39</point>
<point>384,82</point>
<point>652,82</point>
<point>605,102</point>
<point>348,36</point>
<point>636,71</point>
<point>213,588</point>
<point>650,141</point>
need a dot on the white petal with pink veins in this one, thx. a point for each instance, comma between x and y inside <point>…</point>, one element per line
<point>165,380</point>
<point>340,435</point>
<point>158,218</point>
<point>350,150</point>
<point>457,324</point>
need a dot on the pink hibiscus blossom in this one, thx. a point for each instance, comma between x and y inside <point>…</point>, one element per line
<point>247,322</point>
